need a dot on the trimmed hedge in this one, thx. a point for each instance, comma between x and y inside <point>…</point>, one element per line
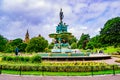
<point>35,58</point>
<point>59,68</point>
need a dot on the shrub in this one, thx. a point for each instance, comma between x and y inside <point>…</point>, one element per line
<point>74,45</point>
<point>118,52</point>
<point>26,59</point>
<point>4,58</point>
<point>36,58</point>
<point>9,58</point>
<point>117,61</point>
<point>58,68</point>
<point>105,48</point>
<point>90,46</point>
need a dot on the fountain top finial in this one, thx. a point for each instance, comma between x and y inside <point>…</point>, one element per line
<point>61,15</point>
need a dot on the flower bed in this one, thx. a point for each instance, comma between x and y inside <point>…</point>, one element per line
<point>117,61</point>
<point>63,67</point>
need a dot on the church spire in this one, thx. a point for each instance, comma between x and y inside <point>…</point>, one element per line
<point>27,36</point>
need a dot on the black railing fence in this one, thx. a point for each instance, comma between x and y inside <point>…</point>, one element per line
<point>41,70</point>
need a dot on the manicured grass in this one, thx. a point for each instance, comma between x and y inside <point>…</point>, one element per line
<point>60,73</point>
<point>109,49</point>
<point>10,72</point>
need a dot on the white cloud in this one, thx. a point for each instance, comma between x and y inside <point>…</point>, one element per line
<point>12,4</point>
<point>78,30</point>
<point>12,29</point>
<point>42,16</point>
<point>78,7</point>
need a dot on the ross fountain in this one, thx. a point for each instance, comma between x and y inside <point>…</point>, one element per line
<point>61,46</point>
<point>61,37</point>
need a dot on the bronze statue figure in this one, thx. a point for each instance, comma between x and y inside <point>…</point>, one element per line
<point>61,15</point>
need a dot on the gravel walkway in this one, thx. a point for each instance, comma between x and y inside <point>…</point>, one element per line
<point>16,77</point>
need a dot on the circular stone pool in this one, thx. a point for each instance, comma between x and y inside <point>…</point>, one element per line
<point>73,56</point>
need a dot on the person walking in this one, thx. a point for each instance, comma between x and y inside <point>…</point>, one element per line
<point>16,51</point>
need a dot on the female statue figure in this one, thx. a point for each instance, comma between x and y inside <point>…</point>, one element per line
<point>61,15</point>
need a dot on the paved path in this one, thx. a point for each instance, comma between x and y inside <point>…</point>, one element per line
<point>16,77</point>
<point>110,61</point>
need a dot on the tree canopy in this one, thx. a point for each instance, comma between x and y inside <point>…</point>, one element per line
<point>72,40</point>
<point>94,41</point>
<point>37,44</point>
<point>3,42</point>
<point>16,42</point>
<point>83,40</point>
<point>74,45</point>
<point>110,33</point>
<point>11,45</point>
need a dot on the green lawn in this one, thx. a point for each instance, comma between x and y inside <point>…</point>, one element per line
<point>60,73</point>
<point>109,49</point>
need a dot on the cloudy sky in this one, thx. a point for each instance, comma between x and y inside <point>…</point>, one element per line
<point>42,16</point>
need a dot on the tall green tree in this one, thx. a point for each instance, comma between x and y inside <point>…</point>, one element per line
<point>90,45</point>
<point>72,40</point>
<point>22,46</point>
<point>51,45</point>
<point>110,33</point>
<point>74,45</point>
<point>9,48</point>
<point>16,42</point>
<point>37,44</point>
<point>95,41</point>
<point>82,43</point>
<point>11,45</point>
<point>3,42</point>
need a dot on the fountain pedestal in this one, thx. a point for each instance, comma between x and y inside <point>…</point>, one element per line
<point>61,48</point>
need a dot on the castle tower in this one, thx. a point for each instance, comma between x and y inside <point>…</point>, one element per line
<point>27,37</point>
